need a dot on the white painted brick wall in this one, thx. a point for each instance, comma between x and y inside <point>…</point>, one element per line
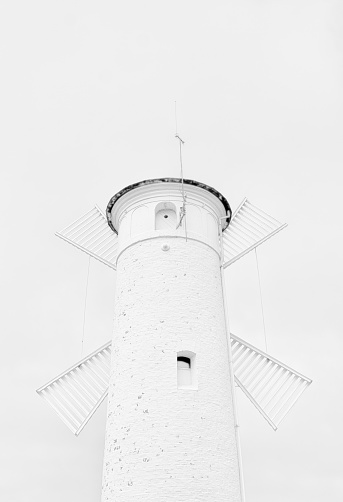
<point>163,443</point>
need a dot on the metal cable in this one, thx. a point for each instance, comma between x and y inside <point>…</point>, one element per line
<point>183,209</point>
<point>262,310</point>
<point>84,308</point>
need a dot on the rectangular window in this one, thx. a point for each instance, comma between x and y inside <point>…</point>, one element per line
<point>186,370</point>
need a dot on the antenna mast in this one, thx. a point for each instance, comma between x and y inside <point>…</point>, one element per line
<point>183,208</point>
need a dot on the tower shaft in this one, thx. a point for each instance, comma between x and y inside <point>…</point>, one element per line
<point>164,442</point>
<point>170,432</point>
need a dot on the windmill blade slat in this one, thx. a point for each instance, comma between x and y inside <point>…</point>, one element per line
<point>60,391</point>
<point>235,346</point>
<point>79,222</point>
<point>243,239</point>
<point>76,394</point>
<point>253,233</point>
<point>90,232</point>
<point>260,369</point>
<point>82,233</point>
<point>92,235</point>
<point>257,231</point>
<point>95,383</point>
<point>280,395</point>
<point>98,375</point>
<point>87,404</point>
<point>260,224</point>
<point>109,253</point>
<point>249,227</point>
<point>89,416</point>
<point>55,405</point>
<point>260,211</point>
<point>255,403</point>
<point>287,392</point>
<point>105,362</point>
<point>94,373</point>
<point>87,387</point>
<point>273,387</point>
<point>105,368</point>
<point>253,370</point>
<point>268,384</point>
<point>260,382</point>
<point>101,365</point>
<point>231,249</point>
<point>81,405</point>
<point>106,357</point>
<point>249,220</point>
<point>241,350</point>
<point>249,367</point>
<point>252,226</point>
<point>82,392</point>
<point>101,374</point>
<point>56,397</point>
<point>242,358</point>
<point>283,412</point>
<point>247,232</point>
<point>97,239</point>
<point>105,245</point>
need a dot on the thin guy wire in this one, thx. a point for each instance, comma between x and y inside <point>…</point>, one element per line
<point>181,142</point>
<point>84,308</point>
<point>262,310</point>
<point>230,360</point>
<point>182,188</point>
<point>183,192</point>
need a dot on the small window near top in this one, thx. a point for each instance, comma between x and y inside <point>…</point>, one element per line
<point>165,216</point>
<point>186,376</point>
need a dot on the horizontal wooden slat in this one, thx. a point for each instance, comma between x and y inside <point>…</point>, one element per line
<point>91,234</point>
<point>249,227</point>
<point>76,393</point>
<point>273,387</point>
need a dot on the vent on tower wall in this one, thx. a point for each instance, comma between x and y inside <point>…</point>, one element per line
<point>165,216</point>
<point>186,370</point>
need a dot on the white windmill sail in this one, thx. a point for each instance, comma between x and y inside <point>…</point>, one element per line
<point>77,393</point>
<point>270,385</point>
<point>249,227</point>
<point>91,234</point>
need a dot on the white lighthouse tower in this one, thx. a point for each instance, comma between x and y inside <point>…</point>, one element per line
<point>170,431</point>
<point>172,366</point>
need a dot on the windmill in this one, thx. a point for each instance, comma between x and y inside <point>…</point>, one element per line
<point>171,368</point>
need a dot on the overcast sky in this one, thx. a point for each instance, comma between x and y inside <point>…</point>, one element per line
<point>87,107</point>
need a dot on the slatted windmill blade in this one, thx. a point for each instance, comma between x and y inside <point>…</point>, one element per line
<point>249,227</point>
<point>91,234</point>
<point>271,386</point>
<point>77,393</point>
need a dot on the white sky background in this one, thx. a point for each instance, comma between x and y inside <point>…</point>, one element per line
<point>88,92</point>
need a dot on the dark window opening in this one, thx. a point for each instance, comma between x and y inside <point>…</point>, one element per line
<point>183,362</point>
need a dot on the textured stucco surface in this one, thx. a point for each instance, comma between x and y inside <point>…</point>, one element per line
<point>164,443</point>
